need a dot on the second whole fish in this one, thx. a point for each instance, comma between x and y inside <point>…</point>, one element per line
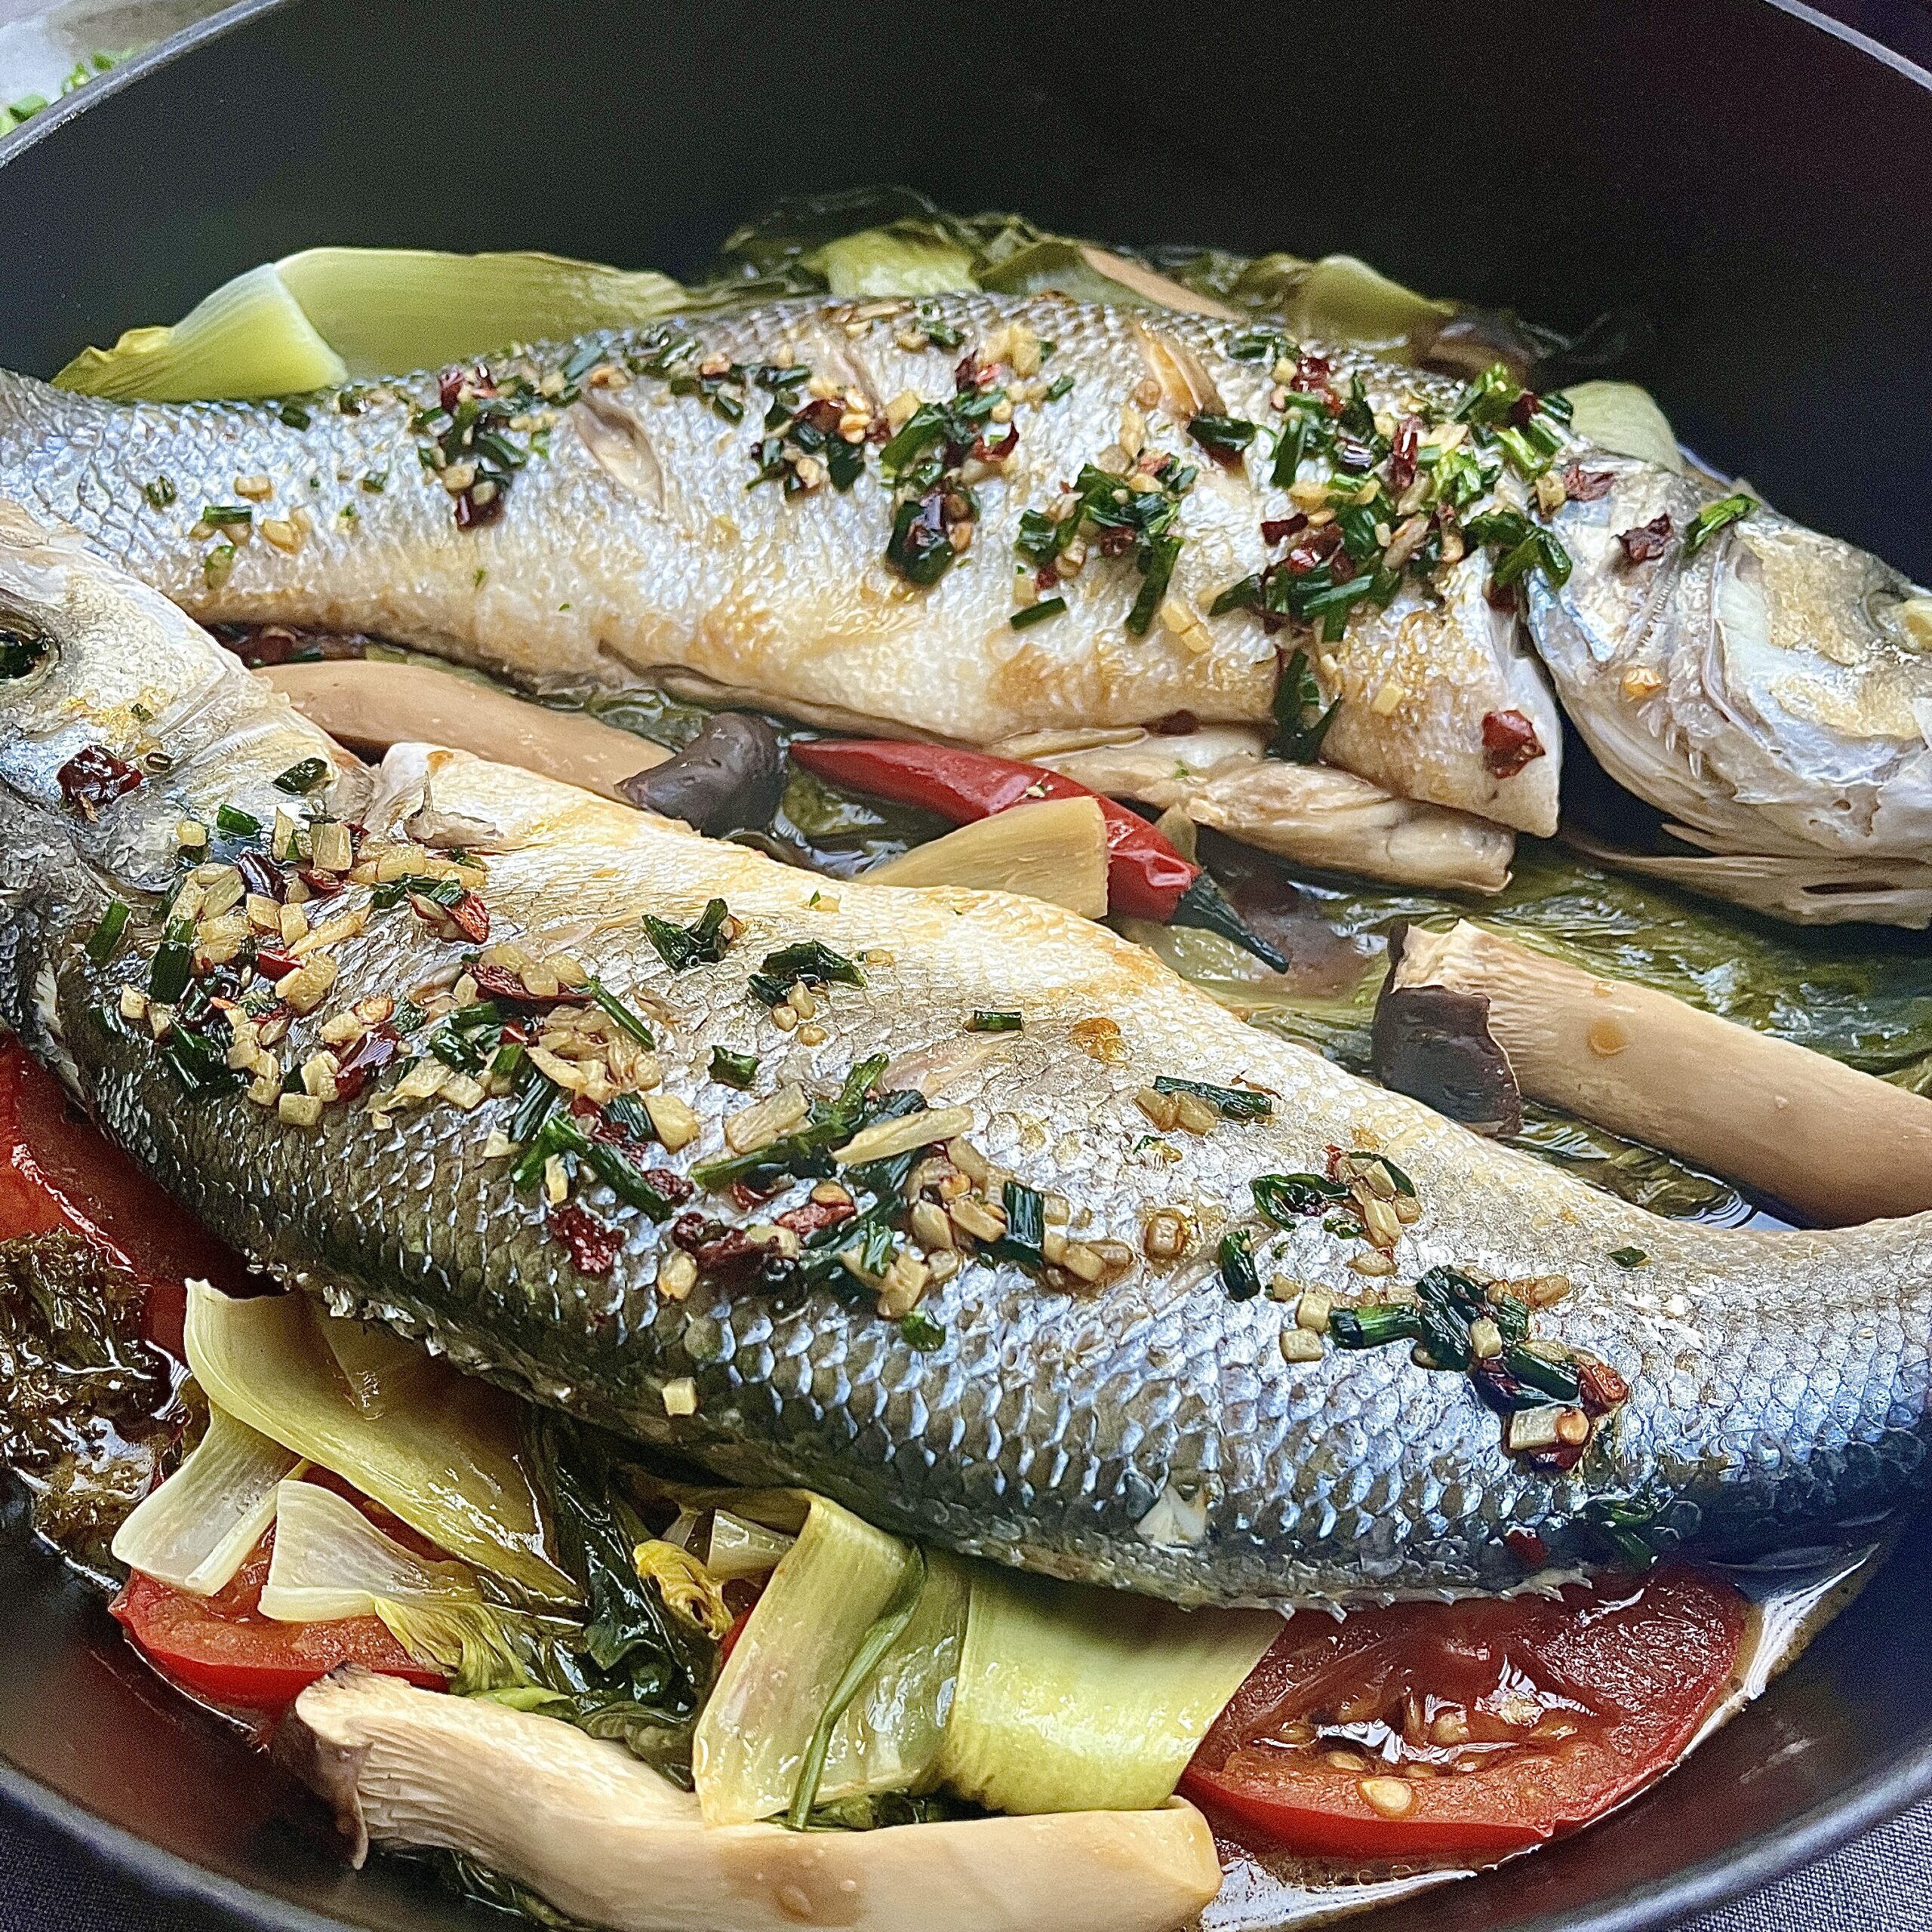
<point>1027,1334</point>
<point>596,510</point>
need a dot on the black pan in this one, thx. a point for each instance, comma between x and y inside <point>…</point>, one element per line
<point>1755,180</point>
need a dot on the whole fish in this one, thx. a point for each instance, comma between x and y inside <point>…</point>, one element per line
<point>609,525</point>
<point>1770,690</point>
<point>942,1203</point>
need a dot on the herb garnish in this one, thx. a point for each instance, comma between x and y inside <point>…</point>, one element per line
<point>1297,738</point>
<point>1237,1264</point>
<point>1715,517</point>
<point>1236,1103</point>
<point>810,960</point>
<point>983,1022</point>
<point>302,778</point>
<point>732,1070</point>
<point>700,944</point>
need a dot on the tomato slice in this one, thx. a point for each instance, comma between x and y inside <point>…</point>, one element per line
<point>223,1648</point>
<point>1468,1730</point>
<point>58,1171</point>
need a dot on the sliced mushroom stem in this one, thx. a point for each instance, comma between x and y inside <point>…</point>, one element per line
<point>370,706</point>
<point>1312,815</point>
<point>1054,850</point>
<point>1834,1145</point>
<point>609,1840</point>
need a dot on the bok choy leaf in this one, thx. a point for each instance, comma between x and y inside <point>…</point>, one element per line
<point>196,1529</point>
<point>330,1561</point>
<point>446,1462</point>
<point>1078,1700</point>
<point>831,1590</point>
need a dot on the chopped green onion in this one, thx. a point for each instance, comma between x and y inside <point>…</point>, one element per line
<point>812,960</point>
<point>1296,739</point>
<point>1231,1102</point>
<point>983,1022</point>
<point>217,514</point>
<point>1374,1326</point>
<point>1283,1197</point>
<point>167,975</point>
<point>236,822</point>
<point>302,777</point>
<point>294,416</point>
<point>1628,1257</point>
<point>1037,613</point>
<point>1715,517</point>
<point>1237,1260</point>
<point>1162,552</point>
<point>1556,1379</point>
<point>921,1332</point>
<point>160,493</point>
<point>1225,437</point>
<point>106,936</point>
<point>1025,1226</point>
<point>732,1070</point>
<point>622,1014</point>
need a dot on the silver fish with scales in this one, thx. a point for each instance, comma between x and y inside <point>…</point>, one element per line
<point>1144,1429</point>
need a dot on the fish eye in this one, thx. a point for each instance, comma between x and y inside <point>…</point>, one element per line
<point>24,647</point>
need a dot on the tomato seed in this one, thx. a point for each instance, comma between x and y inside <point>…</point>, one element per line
<point>1392,1797</point>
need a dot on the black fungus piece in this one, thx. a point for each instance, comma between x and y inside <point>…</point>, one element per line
<point>1434,1043</point>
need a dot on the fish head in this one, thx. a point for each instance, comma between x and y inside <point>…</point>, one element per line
<point>122,718</point>
<point>1770,689</point>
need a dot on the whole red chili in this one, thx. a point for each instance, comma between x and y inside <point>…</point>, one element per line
<point>1146,877</point>
<point>1509,742</point>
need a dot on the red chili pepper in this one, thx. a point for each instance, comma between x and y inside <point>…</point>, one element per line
<point>93,778</point>
<point>1146,877</point>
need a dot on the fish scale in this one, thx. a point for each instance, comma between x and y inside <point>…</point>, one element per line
<point>1146,1434</point>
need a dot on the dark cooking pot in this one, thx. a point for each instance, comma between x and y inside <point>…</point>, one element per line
<point>1751,179</point>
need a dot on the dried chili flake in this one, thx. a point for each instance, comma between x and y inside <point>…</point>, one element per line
<point>456,385</point>
<point>1314,550</point>
<point>272,963</point>
<point>1648,541</point>
<point>1279,529</point>
<point>494,982</point>
<point>369,1055</point>
<point>1586,486</point>
<point>594,1244</point>
<point>94,778</point>
<point>810,1216</point>
<point>1509,742</point>
<point>1603,1388</point>
<point>1176,725</point>
<point>1402,450</point>
<point>261,876</point>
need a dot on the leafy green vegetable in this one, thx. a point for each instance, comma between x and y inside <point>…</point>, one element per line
<point>445,1461</point>
<point>841,1583</point>
<point>1071,1700</point>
